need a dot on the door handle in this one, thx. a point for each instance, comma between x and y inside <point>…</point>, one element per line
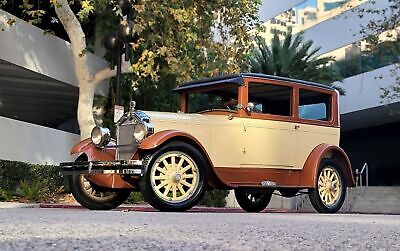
<point>296,127</point>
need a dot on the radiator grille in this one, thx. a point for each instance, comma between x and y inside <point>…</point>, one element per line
<point>126,142</point>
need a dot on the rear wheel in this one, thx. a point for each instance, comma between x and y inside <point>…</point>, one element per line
<point>330,191</point>
<point>174,178</point>
<point>92,196</point>
<point>253,200</point>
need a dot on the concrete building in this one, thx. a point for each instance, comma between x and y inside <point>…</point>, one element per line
<point>370,125</point>
<point>38,93</point>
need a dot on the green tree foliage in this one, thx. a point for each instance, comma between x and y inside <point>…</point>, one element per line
<point>179,37</point>
<point>293,57</point>
<point>385,27</point>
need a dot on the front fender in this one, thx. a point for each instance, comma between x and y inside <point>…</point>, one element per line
<point>156,140</point>
<point>95,154</point>
<point>159,138</point>
<point>310,170</point>
<point>92,152</point>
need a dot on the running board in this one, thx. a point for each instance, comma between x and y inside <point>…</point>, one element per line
<point>123,167</point>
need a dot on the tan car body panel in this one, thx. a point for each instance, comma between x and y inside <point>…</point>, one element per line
<point>239,156</point>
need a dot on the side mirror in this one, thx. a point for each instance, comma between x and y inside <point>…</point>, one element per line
<point>250,107</point>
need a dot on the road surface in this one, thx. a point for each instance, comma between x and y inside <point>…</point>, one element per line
<point>78,229</point>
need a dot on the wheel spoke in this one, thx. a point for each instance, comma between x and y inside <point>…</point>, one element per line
<point>162,184</point>
<point>185,169</point>
<point>167,189</point>
<point>174,191</point>
<point>166,164</point>
<point>179,166</point>
<point>173,163</point>
<point>160,177</point>
<point>187,176</point>
<point>185,183</point>
<point>180,187</point>
<point>161,170</point>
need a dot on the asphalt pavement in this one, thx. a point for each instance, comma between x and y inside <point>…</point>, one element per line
<point>80,229</point>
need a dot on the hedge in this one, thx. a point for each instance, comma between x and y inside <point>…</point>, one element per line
<point>31,182</point>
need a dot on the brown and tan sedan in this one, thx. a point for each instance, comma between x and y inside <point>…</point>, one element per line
<point>252,133</point>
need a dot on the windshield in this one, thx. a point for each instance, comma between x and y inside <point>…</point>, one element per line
<point>221,98</point>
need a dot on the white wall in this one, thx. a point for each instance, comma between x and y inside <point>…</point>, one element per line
<point>344,29</point>
<point>363,91</point>
<point>31,143</point>
<point>27,46</point>
<point>272,8</point>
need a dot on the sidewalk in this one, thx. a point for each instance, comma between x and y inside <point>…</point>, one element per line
<point>128,207</point>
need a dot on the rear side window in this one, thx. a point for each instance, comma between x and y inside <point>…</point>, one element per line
<point>314,105</point>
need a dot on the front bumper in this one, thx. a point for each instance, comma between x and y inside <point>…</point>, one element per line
<point>123,167</point>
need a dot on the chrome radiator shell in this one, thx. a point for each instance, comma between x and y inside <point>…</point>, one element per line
<point>126,143</point>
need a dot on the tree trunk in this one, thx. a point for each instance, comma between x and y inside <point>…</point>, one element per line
<point>85,109</point>
<point>85,79</point>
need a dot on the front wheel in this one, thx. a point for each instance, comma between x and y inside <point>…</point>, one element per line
<point>253,200</point>
<point>330,191</point>
<point>174,177</point>
<point>92,196</point>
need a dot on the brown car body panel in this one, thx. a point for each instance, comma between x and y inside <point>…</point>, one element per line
<point>252,177</point>
<point>311,167</point>
<point>93,153</point>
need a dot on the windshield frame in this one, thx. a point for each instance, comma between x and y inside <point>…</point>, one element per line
<point>185,97</point>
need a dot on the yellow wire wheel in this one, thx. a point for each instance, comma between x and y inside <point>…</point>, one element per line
<point>174,177</point>
<point>329,186</point>
<point>329,192</point>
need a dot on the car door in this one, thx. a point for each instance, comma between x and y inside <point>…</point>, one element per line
<point>269,130</point>
<point>316,123</point>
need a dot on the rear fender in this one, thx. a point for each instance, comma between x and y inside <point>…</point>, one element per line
<point>310,170</point>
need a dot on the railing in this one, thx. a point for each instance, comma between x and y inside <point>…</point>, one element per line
<point>359,174</point>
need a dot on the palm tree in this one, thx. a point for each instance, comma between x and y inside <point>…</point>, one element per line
<point>293,58</point>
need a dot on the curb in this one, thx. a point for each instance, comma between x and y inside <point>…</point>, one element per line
<point>8,205</point>
<point>146,208</point>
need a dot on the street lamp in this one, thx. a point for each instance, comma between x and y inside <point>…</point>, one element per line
<point>118,42</point>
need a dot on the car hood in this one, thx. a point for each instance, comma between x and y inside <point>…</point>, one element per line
<point>177,117</point>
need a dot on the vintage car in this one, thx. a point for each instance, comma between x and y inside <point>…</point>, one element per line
<point>252,133</point>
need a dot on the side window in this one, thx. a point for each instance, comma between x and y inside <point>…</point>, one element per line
<point>271,99</point>
<point>314,105</point>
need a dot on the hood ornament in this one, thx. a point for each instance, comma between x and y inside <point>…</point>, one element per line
<point>132,106</point>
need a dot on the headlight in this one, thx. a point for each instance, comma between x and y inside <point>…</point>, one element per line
<point>100,136</point>
<point>140,132</point>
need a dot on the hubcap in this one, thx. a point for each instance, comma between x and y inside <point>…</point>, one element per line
<point>329,187</point>
<point>174,177</point>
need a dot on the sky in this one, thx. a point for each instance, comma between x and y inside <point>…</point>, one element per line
<point>308,3</point>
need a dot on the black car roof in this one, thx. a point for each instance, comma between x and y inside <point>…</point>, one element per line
<point>239,80</point>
